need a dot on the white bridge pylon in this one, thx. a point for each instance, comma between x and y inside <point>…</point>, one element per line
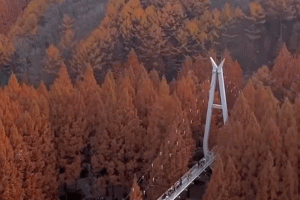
<point>209,156</point>
<point>216,70</point>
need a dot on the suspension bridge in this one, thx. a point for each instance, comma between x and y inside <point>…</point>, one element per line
<point>187,179</point>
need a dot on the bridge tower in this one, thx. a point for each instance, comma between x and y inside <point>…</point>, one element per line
<point>216,70</point>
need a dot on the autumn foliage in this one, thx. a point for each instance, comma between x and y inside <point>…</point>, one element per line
<point>259,146</point>
<point>108,112</point>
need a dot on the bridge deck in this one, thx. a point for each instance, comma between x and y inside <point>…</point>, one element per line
<point>187,178</point>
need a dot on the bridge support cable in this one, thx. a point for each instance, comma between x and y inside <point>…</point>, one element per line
<point>188,178</point>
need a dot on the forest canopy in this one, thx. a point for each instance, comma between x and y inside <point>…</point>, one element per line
<point>99,95</point>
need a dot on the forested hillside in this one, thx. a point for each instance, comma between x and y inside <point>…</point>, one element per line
<point>97,93</point>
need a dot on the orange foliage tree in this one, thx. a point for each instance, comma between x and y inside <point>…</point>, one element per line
<point>68,125</point>
<point>135,193</point>
<point>260,133</point>
<point>175,153</point>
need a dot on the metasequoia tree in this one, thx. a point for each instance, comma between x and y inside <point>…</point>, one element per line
<point>194,8</point>
<point>27,22</point>
<point>217,182</point>
<point>144,99</point>
<point>186,90</point>
<point>131,12</point>
<point>227,182</point>
<point>96,51</point>
<point>175,152</point>
<point>162,114</point>
<point>11,182</point>
<point>68,124</point>
<point>155,79</point>
<point>123,130</point>
<point>233,78</point>
<point>255,30</point>
<point>132,19</point>
<point>6,48</point>
<point>91,93</point>
<point>153,47</point>
<point>282,63</point>
<point>134,69</point>
<point>130,129</point>
<point>269,179</point>
<point>95,140</point>
<point>285,75</point>
<point>67,42</point>
<point>53,60</point>
<point>20,159</point>
<point>34,125</point>
<point>267,136</point>
<point>135,193</point>
<point>10,10</point>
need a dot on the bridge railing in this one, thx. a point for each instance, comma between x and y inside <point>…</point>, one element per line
<point>188,178</point>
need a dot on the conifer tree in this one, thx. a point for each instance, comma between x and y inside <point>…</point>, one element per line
<point>154,77</point>
<point>13,88</point>
<point>130,129</point>
<point>216,185</point>
<point>135,193</point>
<point>10,181</point>
<point>268,137</point>
<point>133,68</point>
<point>33,124</point>
<point>67,42</point>
<point>290,182</point>
<point>255,30</point>
<point>163,112</point>
<point>6,49</point>
<point>187,93</point>
<point>102,141</point>
<point>264,102</point>
<point>281,68</point>
<point>268,180</point>
<point>20,159</point>
<point>91,93</point>
<point>264,75</point>
<point>123,130</point>
<point>96,51</point>
<point>68,124</point>
<point>53,60</point>
<point>175,152</point>
<point>95,137</point>
<point>145,97</point>
<point>233,78</point>
<point>153,47</point>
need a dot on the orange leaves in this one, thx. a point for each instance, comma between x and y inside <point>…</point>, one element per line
<point>230,14</point>
<point>216,18</point>
<point>13,87</point>
<point>256,9</point>
<point>232,71</point>
<point>164,89</point>
<point>63,80</point>
<point>132,11</point>
<point>135,193</point>
<point>192,27</point>
<point>285,75</point>
<point>267,136</point>
<point>6,49</point>
<point>53,52</point>
<point>282,63</point>
<point>53,60</point>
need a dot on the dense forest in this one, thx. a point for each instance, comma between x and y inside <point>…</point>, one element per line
<point>103,94</point>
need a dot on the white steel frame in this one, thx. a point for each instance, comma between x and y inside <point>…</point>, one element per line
<point>216,70</point>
